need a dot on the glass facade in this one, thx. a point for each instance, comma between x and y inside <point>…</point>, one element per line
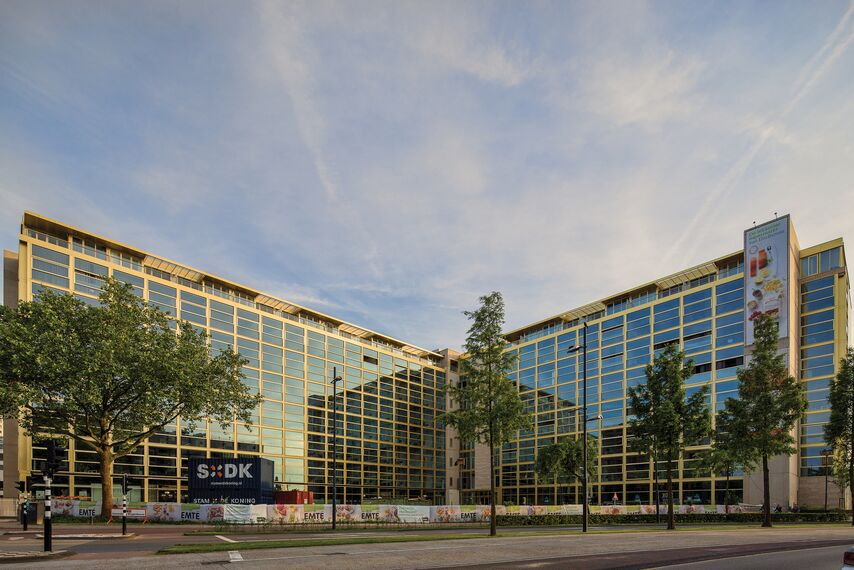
<point>388,443</point>
<point>705,316</point>
<point>823,316</point>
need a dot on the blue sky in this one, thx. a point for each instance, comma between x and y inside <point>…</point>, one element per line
<point>389,162</point>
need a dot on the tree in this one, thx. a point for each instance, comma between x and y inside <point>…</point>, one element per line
<point>839,468</point>
<point>110,376</point>
<point>490,410</point>
<point>839,431</point>
<point>723,457</point>
<point>760,421</point>
<point>664,420</point>
<point>564,460</point>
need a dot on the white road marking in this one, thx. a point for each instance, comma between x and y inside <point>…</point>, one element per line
<point>224,539</point>
<point>234,556</point>
<point>16,538</point>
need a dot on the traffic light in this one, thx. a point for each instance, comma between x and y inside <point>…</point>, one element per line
<point>21,486</point>
<point>29,483</point>
<point>124,484</point>
<point>56,457</point>
<point>50,461</point>
<point>61,458</point>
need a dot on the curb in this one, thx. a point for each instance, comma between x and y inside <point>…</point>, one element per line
<point>93,536</point>
<point>35,557</point>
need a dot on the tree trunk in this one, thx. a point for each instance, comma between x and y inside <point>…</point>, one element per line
<point>850,487</point>
<point>105,459</point>
<point>726,494</point>
<point>766,493</point>
<point>492,525</point>
<point>671,519</point>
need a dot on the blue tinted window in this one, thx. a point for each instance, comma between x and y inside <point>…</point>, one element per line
<point>817,284</point>
<point>667,305</point>
<point>45,253</point>
<point>90,267</point>
<point>639,314</point>
<point>196,299</point>
<point>695,328</point>
<point>666,336</point>
<point>729,320</point>
<point>162,289</point>
<point>729,353</point>
<point>698,296</point>
<point>734,285</point>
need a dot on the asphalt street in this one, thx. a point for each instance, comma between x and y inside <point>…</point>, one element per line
<point>826,558</point>
<point>814,548</point>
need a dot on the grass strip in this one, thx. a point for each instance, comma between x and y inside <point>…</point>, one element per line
<point>307,528</point>
<point>297,542</point>
<point>303,542</point>
<point>505,530</point>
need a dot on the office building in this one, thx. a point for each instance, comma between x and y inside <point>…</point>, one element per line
<point>388,443</point>
<point>708,312</point>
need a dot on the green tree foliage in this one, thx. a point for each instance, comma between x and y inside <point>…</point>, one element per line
<point>839,431</point>
<point>664,420</point>
<point>723,458</point>
<point>563,461</point>
<point>760,421</point>
<point>110,376</point>
<point>489,408</point>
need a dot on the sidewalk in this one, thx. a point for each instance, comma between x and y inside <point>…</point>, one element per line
<point>21,556</point>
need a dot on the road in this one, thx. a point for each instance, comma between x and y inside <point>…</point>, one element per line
<point>814,548</point>
<point>829,557</point>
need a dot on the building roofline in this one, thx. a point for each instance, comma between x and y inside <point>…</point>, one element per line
<point>658,284</point>
<point>39,222</point>
<point>679,276</point>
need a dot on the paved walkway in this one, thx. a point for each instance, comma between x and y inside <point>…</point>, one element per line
<point>10,556</point>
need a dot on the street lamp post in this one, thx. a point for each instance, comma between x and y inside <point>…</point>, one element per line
<point>335,380</point>
<point>572,350</point>
<point>657,488</point>
<point>459,463</point>
<point>825,454</point>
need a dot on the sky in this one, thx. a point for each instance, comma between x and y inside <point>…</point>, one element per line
<point>390,162</point>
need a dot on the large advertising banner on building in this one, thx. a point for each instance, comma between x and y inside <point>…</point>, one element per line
<point>766,275</point>
<point>241,481</point>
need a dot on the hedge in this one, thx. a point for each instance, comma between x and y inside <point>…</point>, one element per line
<point>634,518</point>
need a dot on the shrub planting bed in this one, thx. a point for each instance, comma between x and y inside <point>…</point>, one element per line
<point>703,518</point>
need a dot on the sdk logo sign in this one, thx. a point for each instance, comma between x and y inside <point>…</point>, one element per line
<point>227,471</point>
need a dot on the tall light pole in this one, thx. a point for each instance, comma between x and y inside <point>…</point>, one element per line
<point>825,454</point>
<point>335,380</point>
<point>657,493</point>
<point>459,463</point>
<point>572,350</point>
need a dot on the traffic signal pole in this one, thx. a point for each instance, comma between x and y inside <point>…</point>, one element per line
<point>25,512</point>
<point>52,465</point>
<point>24,497</point>
<point>124,504</point>
<point>48,538</point>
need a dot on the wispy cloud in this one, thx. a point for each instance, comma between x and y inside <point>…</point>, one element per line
<point>836,43</point>
<point>389,162</point>
<point>295,65</point>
